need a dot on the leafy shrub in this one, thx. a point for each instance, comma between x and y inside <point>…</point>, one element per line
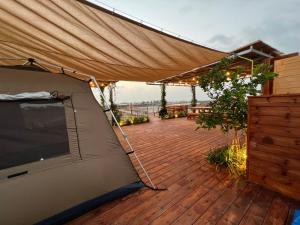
<point>177,114</point>
<point>231,157</point>
<point>134,120</point>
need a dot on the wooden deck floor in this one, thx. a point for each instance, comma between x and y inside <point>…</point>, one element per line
<point>174,154</point>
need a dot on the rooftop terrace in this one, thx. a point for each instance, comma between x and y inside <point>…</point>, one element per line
<point>174,155</point>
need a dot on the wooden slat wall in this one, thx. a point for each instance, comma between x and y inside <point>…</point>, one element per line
<point>288,80</point>
<point>274,143</point>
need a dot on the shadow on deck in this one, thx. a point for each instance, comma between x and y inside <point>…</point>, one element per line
<point>174,155</point>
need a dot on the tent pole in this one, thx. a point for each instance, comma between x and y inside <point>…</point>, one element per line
<point>123,133</point>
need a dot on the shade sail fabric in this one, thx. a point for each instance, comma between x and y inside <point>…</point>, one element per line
<point>89,39</point>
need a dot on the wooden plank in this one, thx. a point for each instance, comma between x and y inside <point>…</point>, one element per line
<point>274,99</point>
<point>142,213</point>
<point>278,121</point>
<point>172,213</point>
<point>200,207</point>
<point>240,206</point>
<point>293,70</point>
<point>293,111</point>
<point>177,200</point>
<point>283,172</point>
<point>173,184</point>
<point>293,132</point>
<point>277,213</point>
<point>257,211</point>
<point>269,179</point>
<point>276,172</point>
<point>218,209</point>
<point>286,165</point>
<point>291,90</point>
<point>289,153</point>
<point>271,139</point>
<point>276,104</point>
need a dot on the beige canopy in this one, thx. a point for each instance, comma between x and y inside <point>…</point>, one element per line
<point>81,36</point>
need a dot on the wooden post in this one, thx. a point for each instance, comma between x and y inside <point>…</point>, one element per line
<point>267,88</point>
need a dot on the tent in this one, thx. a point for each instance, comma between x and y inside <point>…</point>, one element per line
<point>59,155</point>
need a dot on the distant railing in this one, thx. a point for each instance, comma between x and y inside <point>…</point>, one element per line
<point>195,111</point>
<point>152,108</point>
<point>128,110</point>
<point>177,108</point>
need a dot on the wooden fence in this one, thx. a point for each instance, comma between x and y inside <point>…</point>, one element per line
<point>274,143</point>
<point>288,80</point>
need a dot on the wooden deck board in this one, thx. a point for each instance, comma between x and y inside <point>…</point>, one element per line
<point>174,155</point>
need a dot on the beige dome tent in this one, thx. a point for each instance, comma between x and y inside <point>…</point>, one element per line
<point>58,150</point>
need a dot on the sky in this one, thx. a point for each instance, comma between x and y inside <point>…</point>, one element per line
<point>223,25</point>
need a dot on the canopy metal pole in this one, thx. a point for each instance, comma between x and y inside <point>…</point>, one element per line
<point>123,133</point>
<point>250,60</point>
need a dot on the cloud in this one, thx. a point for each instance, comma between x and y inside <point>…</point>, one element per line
<point>223,42</point>
<point>283,35</point>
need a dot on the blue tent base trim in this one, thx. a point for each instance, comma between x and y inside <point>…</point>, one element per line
<point>84,207</point>
<point>296,217</point>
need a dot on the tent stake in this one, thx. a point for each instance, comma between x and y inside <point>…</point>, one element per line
<point>123,133</point>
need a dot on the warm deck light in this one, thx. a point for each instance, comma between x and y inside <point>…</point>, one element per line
<point>194,79</point>
<point>102,84</point>
<point>227,73</point>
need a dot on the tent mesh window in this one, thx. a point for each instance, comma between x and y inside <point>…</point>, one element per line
<point>32,130</point>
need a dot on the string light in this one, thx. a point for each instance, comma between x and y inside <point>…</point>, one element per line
<point>92,85</point>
